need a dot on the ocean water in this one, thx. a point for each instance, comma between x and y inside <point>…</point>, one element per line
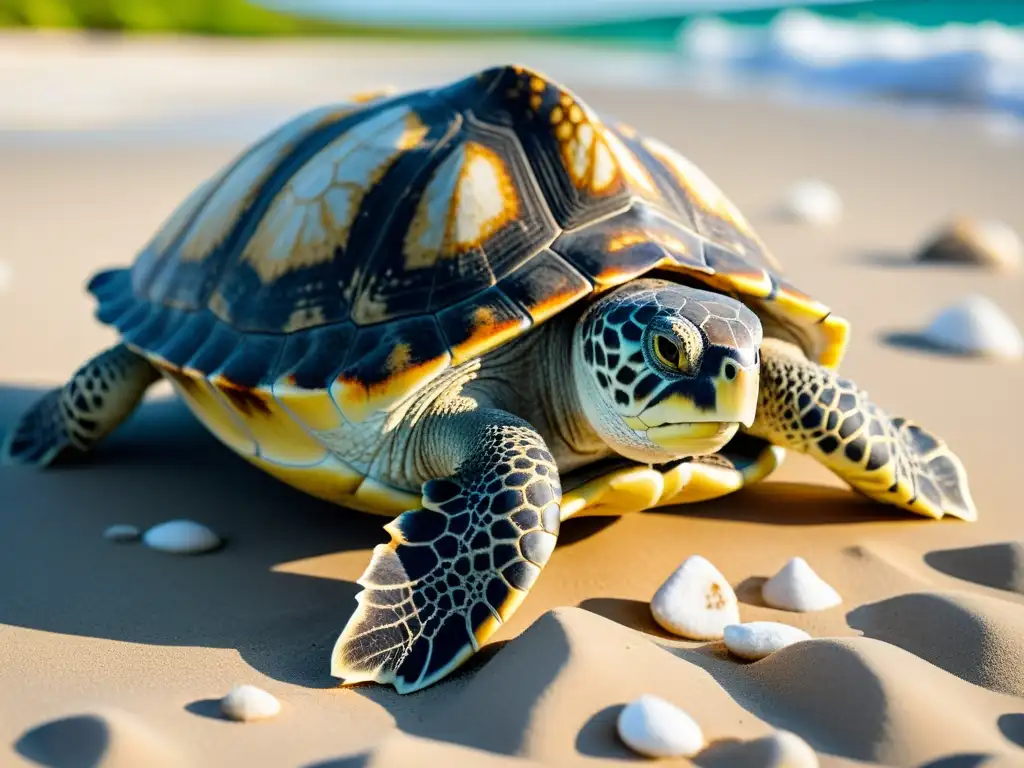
<point>652,22</point>
<point>944,52</point>
<point>973,64</point>
<point>646,19</point>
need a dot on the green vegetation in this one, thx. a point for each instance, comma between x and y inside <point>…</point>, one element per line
<point>197,17</point>
<point>142,15</point>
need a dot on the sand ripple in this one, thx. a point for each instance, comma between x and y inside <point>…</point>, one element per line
<point>977,638</point>
<point>992,565</point>
<point>109,738</point>
<point>851,699</point>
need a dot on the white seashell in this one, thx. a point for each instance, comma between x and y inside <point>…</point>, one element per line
<point>181,537</point>
<point>782,749</point>
<point>976,326</point>
<point>655,728</point>
<point>6,276</point>
<point>798,588</point>
<point>813,202</point>
<point>981,242</point>
<point>696,601</point>
<point>122,533</point>
<point>247,702</point>
<point>757,639</point>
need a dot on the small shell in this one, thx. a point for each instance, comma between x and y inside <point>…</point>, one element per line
<point>6,276</point>
<point>655,728</point>
<point>247,702</point>
<point>813,202</point>
<point>122,533</point>
<point>757,639</point>
<point>181,537</point>
<point>696,601</point>
<point>976,326</point>
<point>980,242</point>
<point>781,749</point>
<point>798,588</point>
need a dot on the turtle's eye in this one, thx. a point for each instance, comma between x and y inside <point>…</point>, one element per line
<point>668,352</point>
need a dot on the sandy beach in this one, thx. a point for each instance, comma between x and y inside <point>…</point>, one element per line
<point>120,653</point>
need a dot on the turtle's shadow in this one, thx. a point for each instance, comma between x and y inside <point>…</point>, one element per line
<point>163,465</point>
<point>260,594</point>
<point>789,503</point>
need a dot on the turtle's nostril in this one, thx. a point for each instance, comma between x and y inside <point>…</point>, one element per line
<point>730,370</point>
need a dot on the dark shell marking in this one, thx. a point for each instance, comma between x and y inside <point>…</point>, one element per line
<point>469,213</point>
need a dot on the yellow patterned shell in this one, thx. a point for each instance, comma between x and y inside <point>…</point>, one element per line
<point>364,247</point>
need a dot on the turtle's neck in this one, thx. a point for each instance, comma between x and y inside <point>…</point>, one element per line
<point>532,377</point>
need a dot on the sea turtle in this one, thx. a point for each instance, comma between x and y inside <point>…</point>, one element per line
<point>430,305</point>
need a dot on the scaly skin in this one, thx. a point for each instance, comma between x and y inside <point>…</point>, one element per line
<point>73,418</point>
<point>812,410</point>
<point>458,567</point>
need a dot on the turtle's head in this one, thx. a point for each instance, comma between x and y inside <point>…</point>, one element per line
<point>665,371</point>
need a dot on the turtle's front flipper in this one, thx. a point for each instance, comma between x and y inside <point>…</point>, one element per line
<point>72,418</point>
<point>809,409</point>
<point>458,567</point>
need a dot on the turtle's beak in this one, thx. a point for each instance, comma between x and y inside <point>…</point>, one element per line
<point>681,427</point>
<point>736,398</point>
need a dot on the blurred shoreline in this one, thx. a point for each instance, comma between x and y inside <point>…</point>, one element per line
<point>75,82</point>
<point>62,86</point>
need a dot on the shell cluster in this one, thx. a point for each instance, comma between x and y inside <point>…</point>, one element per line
<point>974,325</point>
<point>697,602</point>
<point>177,537</point>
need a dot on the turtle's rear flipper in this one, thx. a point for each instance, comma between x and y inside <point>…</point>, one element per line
<point>808,408</point>
<point>71,419</point>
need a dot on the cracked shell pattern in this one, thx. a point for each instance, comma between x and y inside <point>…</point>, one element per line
<point>518,197</point>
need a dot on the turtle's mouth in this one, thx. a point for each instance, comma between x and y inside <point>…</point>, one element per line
<point>734,402</point>
<point>687,438</point>
<point>692,439</point>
